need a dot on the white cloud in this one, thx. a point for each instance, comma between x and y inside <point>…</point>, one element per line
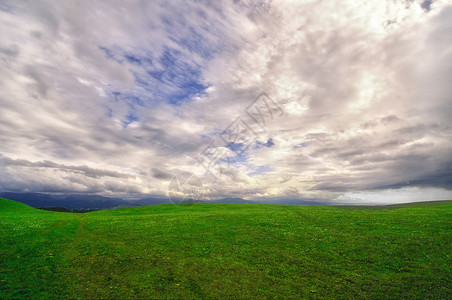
<point>364,88</point>
<point>395,196</point>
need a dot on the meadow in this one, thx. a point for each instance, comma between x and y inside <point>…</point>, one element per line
<point>227,251</point>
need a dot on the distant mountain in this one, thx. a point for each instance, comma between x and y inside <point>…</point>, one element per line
<point>308,201</point>
<point>229,200</point>
<point>148,201</point>
<point>82,201</point>
<point>77,201</point>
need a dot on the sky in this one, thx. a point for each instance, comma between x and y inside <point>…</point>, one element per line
<point>341,101</point>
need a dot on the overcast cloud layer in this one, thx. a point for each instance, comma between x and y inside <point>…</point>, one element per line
<point>118,97</point>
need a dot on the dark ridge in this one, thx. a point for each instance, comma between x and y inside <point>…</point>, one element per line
<point>421,203</point>
<point>62,209</point>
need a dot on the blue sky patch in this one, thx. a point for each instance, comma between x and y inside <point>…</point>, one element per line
<point>135,60</point>
<point>267,144</point>
<point>171,78</point>
<point>301,145</point>
<point>236,147</point>
<point>108,52</point>
<point>260,170</point>
<point>128,120</point>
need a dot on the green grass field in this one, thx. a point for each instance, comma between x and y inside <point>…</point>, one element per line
<point>227,251</point>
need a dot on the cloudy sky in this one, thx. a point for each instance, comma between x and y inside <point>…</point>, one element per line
<point>348,101</point>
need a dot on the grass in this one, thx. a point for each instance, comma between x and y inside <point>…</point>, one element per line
<point>227,251</point>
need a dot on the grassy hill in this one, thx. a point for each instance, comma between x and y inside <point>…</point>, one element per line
<point>227,250</point>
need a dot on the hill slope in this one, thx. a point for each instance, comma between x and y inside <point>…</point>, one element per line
<point>8,206</point>
<point>226,250</point>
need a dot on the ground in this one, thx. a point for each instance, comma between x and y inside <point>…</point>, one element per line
<point>227,251</point>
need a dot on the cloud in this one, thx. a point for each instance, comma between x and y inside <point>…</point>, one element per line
<point>393,196</point>
<point>119,97</point>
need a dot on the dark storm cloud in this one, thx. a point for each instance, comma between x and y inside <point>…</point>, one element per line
<point>87,171</point>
